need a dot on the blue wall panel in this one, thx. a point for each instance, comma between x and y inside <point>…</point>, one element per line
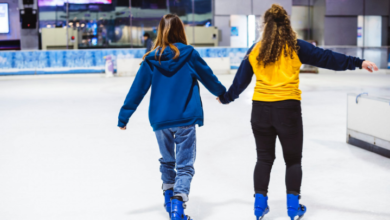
<point>88,61</point>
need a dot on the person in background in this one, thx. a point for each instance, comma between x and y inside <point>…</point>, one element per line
<point>172,69</point>
<point>276,111</point>
<point>148,42</point>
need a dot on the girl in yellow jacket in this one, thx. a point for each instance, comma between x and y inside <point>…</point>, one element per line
<point>276,112</point>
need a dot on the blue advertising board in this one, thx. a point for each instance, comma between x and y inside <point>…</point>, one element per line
<point>88,61</point>
<point>234,32</point>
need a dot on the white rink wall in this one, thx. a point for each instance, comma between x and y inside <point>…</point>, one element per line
<point>129,67</point>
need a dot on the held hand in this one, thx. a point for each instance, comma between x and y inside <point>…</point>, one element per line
<point>220,101</point>
<point>124,128</point>
<point>370,66</point>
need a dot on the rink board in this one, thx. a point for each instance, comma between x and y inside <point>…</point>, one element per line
<point>129,67</point>
<point>220,59</point>
<point>368,123</point>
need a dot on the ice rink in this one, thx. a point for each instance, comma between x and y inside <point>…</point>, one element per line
<point>63,158</point>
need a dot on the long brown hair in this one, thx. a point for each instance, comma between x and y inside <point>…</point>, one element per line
<point>170,31</point>
<point>278,35</point>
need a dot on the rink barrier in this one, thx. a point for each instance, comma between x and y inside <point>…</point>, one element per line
<point>368,123</point>
<point>222,59</point>
<point>129,67</point>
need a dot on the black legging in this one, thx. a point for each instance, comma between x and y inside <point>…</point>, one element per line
<point>282,119</point>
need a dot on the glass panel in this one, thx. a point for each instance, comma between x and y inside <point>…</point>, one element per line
<point>201,22</point>
<point>146,16</point>
<point>183,9</point>
<point>203,12</point>
<point>369,31</point>
<point>301,20</point>
<point>96,22</point>
<point>251,30</point>
<point>108,24</point>
<point>239,31</point>
<point>378,55</point>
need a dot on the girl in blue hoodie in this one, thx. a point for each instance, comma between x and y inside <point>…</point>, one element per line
<point>172,69</point>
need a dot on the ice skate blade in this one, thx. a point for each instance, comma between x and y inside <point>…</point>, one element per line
<point>266,211</point>
<point>185,218</point>
<point>260,217</point>
<point>299,217</point>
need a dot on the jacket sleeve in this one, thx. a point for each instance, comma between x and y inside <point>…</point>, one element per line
<point>241,81</point>
<point>205,75</point>
<point>138,90</point>
<point>315,56</point>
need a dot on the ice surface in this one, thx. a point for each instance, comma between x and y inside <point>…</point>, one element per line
<point>63,158</point>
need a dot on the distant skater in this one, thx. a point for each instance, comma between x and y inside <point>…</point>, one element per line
<point>276,61</point>
<point>148,43</point>
<point>172,69</point>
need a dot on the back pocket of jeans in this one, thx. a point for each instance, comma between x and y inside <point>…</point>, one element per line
<point>186,127</point>
<point>289,116</point>
<point>256,115</point>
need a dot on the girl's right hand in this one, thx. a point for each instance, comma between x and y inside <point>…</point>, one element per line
<point>370,66</point>
<point>124,128</point>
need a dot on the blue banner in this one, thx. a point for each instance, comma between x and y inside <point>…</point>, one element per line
<point>89,61</point>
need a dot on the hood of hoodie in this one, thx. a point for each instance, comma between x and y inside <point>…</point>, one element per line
<point>167,62</point>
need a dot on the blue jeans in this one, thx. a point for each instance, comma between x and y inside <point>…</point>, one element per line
<point>183,160</point>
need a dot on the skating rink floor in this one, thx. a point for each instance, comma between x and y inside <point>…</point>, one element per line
<point>63,158</point>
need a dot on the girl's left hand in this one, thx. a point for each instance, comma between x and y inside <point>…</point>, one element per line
<point>220,101</point>
<point>124,128</point>
<point>370,66</point>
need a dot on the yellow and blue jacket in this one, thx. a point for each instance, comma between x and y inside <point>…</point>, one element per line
<point>280,81</point>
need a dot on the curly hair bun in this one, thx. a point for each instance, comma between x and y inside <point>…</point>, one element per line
<point>278,36</point>
<point>278,12</point>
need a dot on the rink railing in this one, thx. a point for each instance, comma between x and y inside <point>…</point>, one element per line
<point>220,59</point>
<point>368,120</point>
<point>92,61</point>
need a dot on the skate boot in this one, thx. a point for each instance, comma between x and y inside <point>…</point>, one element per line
<point>294,208</point>
<point>178,207</point>
<point>168,194</point>
<point>261,206</point>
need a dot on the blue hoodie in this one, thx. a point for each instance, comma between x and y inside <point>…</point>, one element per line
<point>175,99</point>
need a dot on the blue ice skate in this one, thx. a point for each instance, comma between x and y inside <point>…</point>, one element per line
<point>178,207</point>
<point>261,206</point>
<point>168,194</point>
<point>294,208</point>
